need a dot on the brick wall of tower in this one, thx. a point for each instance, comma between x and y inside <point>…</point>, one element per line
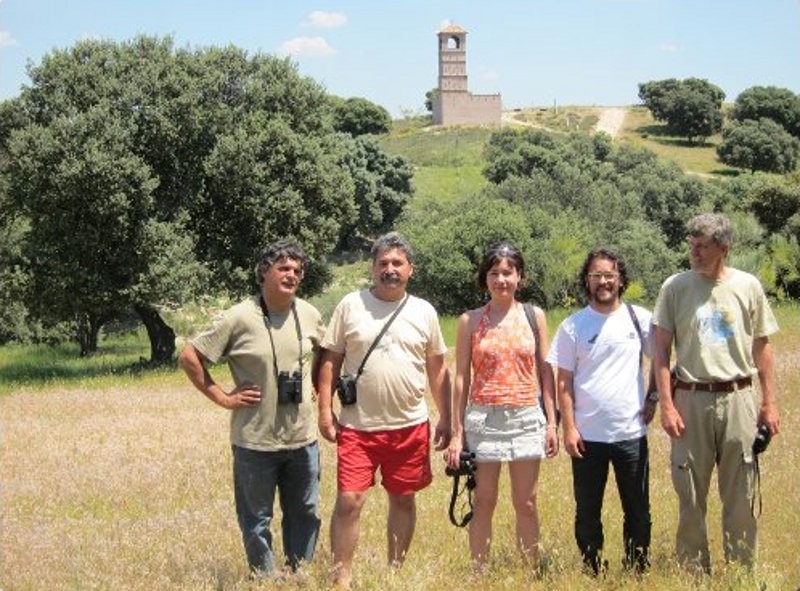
<point>454,108</point>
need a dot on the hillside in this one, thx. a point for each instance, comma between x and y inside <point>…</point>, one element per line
<point>448,161</point>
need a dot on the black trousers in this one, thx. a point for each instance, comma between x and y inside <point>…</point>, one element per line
<point>632,473</point>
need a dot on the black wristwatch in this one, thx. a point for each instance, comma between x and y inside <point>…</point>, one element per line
<point>652,397</point>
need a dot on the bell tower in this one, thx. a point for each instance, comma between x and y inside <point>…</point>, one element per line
<point>452,59</point>
<point>454,103</point>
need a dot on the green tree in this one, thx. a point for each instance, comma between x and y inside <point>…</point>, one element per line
<point>779,104</point>
<point>383,186</point>
<point>759,145</point>
<point>430,99</point>
<point>14,280</point>
<point>87,196</point>
<point>144,170</point>
<point>264,180</point>
<point>450,248</point>
<point>774,201</point>
<point>358,116</point>
<point>691,108</point>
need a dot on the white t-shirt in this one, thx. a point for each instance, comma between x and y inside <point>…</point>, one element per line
<point>391,390</point>
<point>603,352</point>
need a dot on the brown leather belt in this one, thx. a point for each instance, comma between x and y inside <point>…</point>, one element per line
<point>730,386</point>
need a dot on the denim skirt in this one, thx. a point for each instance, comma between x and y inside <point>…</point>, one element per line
<point>505,433</point>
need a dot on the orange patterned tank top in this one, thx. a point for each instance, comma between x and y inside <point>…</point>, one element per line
<point>504,362</point>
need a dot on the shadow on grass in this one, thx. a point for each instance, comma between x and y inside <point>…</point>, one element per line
<point>32,366</point>
<point>652,130</point>
<point>660,134</point>
<point>731,172</point>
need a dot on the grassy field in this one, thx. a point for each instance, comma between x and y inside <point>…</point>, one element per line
<point>641,130</point>
<point>448,161</point>
<point>116,476</point>
<point>123,482</point>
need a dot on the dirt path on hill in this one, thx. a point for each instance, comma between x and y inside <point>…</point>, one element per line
<point>611,120</point>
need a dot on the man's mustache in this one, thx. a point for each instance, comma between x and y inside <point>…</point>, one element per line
<point>389,277</point>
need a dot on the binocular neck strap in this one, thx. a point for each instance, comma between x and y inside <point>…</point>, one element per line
<point>268,324</point>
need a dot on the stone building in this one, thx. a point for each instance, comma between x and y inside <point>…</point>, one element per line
<point>455,104</point>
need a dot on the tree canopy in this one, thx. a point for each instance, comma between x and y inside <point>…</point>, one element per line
<point>358,116</point>
<point>691,108</point>
<point>759,145</point>
<point>779,104</point>
<point>557,197</point>
<point>141,175</point>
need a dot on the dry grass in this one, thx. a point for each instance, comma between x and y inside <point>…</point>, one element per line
<point>642,131</point>
<point>129,488</point>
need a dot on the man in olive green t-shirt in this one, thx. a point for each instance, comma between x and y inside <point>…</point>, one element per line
<point>271,343</point>
<point>720,322</point>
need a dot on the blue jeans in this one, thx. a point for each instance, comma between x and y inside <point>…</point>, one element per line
<point>296,474</point>
<point>631,470</point>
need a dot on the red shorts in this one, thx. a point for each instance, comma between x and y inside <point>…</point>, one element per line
<point>403,456</point>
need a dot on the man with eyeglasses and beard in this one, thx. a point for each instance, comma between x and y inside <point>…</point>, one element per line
<point>385,342</point>
<point>598,354</point>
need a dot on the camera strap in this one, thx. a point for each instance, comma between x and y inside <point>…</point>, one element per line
<point>756,489</point>
<point>468,487</point>
<point>380,335</point>
<point>638,331</point>
<point>268,324</point>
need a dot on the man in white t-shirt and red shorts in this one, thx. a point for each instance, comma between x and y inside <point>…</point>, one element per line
<point>386,426</point>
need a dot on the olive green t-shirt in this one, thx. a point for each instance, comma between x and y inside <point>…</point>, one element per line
<point>713,323</point>
<point>240,338</point>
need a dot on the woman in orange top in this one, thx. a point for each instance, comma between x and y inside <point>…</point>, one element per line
<point>499,367</point>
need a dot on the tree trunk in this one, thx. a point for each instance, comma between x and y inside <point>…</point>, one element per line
<point>162,337</point>
<point>88,327</point>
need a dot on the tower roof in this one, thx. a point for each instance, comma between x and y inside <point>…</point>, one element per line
<point>450,28</point>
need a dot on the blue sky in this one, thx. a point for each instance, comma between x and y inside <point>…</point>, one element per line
<point>534,52</point>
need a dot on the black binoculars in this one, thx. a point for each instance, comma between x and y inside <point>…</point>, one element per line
<point>290,387</point>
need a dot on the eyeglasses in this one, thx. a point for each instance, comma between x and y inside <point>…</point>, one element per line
<point>602,276</point>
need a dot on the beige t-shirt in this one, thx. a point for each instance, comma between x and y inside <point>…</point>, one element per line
<point>391,390</point>
<point>239,336</point>
<point>714,323</point>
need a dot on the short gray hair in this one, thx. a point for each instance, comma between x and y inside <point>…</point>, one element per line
<point>714,225</point>
<point>389,241</point>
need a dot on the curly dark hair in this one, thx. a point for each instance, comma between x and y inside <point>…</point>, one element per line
<point>494,254</point>
<point>282,249</point>
<point>604,253</point>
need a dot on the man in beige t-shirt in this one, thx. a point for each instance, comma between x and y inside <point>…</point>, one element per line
<point>270,342</point>
<point>386,426</point>
<point>720,322</point>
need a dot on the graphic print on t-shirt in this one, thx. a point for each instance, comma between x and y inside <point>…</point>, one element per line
<point>715,323</point>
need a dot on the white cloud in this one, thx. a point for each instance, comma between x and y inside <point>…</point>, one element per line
<point>326,20</point>
<point>670,48</point>
<point>487,74</point>
<point>6,39</point>
<point>307,46</point>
